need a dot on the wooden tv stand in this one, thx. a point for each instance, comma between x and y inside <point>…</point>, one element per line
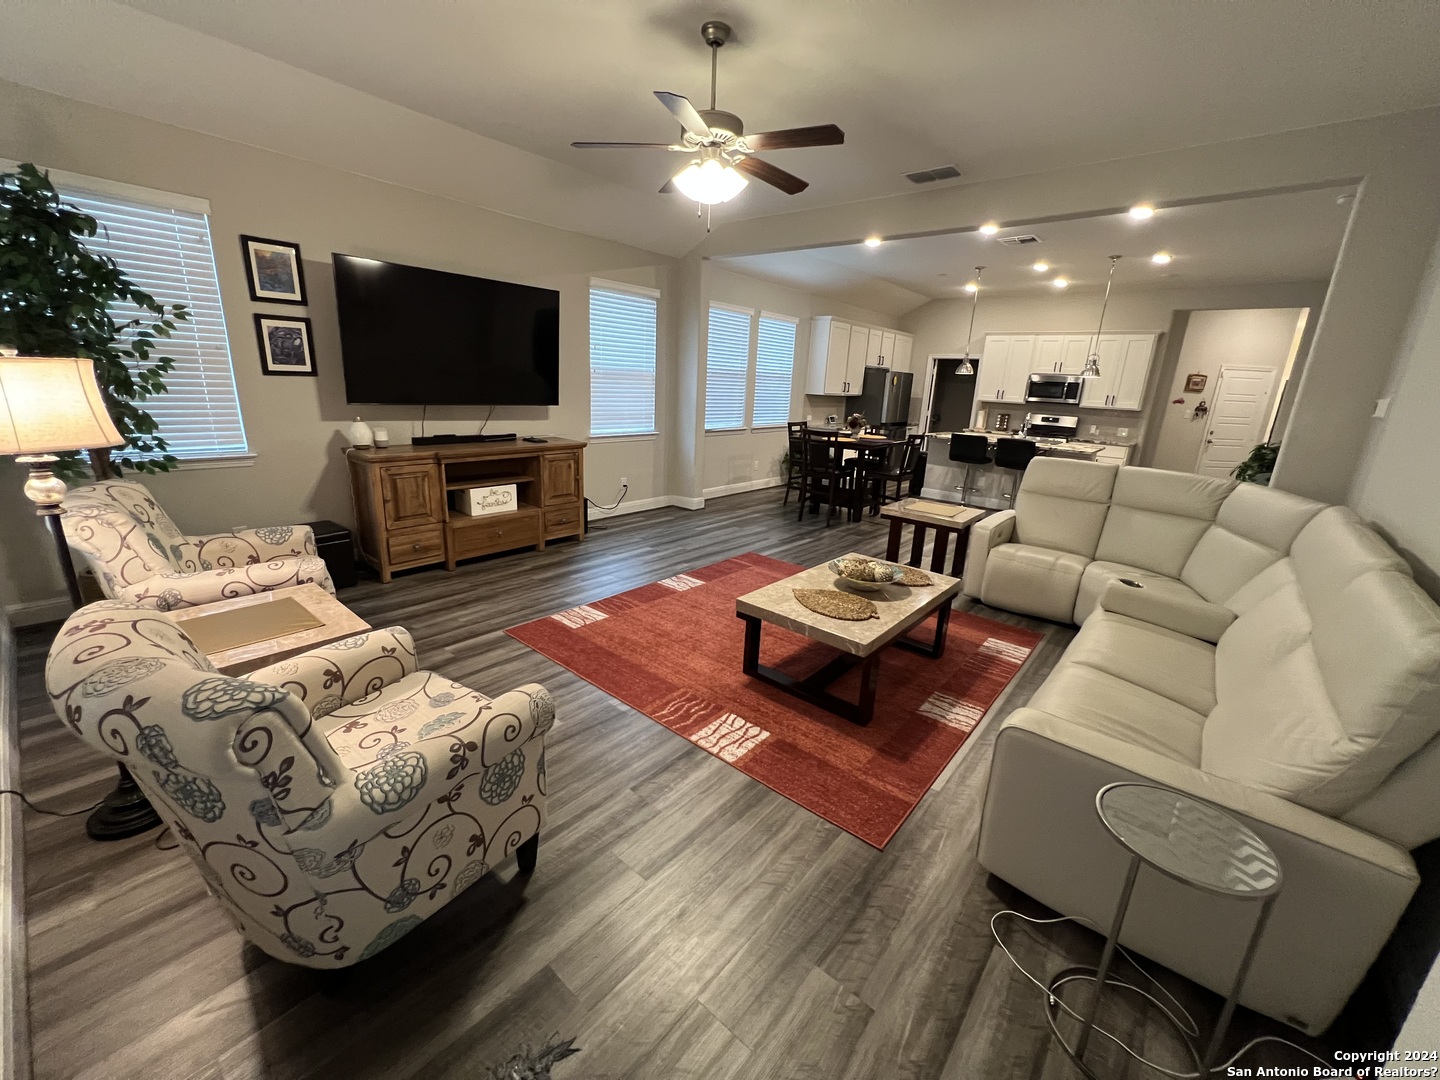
<point>402,505</point>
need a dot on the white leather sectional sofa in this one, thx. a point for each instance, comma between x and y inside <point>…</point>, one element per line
<point>1277,660</point>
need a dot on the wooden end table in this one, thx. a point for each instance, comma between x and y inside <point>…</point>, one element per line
<point>924,515</point>
<point>901,609</point>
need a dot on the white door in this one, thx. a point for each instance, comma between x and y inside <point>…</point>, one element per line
<point>990,376</point>
<point>1237,418</point>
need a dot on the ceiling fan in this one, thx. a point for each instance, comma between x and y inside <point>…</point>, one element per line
<point>719,148</point>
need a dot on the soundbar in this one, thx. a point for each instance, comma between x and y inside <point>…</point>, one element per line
<point>443,440</point>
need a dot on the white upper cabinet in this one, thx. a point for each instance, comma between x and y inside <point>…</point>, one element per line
<point>1006,362</point>
<point>1072,357</point>
<point>1049,351</point>
<point>1125,361</point>
<point>840,351</point>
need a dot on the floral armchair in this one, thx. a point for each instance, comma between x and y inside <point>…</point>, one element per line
<point>138,554</point>
<point>331,801</point>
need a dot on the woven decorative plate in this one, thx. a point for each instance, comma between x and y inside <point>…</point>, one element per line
<point>837,605</point>
<point>916,576</point>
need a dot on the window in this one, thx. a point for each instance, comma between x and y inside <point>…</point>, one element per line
<point>622,360</point>
<point>727,368</point>
<point>163,243</point>
<point>774,368</point>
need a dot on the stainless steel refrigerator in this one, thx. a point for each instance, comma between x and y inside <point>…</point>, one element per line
<point>884,396</point>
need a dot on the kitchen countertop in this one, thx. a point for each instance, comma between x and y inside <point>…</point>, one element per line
<point>1068,448</point>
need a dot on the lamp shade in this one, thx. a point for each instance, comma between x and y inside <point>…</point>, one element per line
<point>49,404</point>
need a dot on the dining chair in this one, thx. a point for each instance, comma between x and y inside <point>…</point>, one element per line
<point>795,456</point>
<point>825,474</point>
<point>896,466</point>
<point>969,450</point>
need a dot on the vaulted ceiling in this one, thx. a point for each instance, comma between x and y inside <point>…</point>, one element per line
<point>995,87</point>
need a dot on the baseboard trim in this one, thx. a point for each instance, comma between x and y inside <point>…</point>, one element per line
<point>34,612</point>
<point>744,485</point>
<point>641,505</point>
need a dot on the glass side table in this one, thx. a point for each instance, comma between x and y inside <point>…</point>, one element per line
<point>1196,844</point>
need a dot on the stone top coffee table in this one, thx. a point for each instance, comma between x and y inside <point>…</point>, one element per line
<point>901,609</point>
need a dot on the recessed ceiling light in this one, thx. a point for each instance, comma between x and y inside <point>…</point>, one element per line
<point>1040,267</point>
<point>972,286</point>
<point>989,229</point>
<point>1161,258</point>
<point>1142,211</point>
<point>873,241</point>
<point>1061,283</point>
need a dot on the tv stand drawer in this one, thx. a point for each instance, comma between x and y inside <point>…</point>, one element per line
<point>565,520</point>
<point>414,547</point>
<point>503,532</point>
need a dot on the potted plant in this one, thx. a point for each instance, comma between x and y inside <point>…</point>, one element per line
<point>62,299</point>
<point>1256,468</point>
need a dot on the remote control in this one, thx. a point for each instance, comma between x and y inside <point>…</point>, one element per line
<point>532,438</point>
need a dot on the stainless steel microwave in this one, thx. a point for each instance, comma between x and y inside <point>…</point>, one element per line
<point>1053,389</point>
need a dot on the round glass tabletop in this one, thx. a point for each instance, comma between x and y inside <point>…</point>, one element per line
<point>1190,840</point>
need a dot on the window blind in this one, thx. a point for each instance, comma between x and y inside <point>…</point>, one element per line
<point>622,362</point>
<point>774,369</point>
<point>727,368</point>
<point>167,253</point>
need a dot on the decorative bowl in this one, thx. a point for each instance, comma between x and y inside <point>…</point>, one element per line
<point>867,575</point>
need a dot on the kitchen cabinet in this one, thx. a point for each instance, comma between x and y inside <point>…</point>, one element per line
<point>1006,362</point>
<point>1125,361</point>
<point>1114,455</point>
<point>840,351</point>
<point>1063,353</point>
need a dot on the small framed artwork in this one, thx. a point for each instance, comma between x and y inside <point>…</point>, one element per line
<point>1194,384</point>
<point>273,269</point>
<point>285,345</point>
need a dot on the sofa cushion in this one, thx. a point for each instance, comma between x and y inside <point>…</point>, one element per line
<point>1098,575</point>
<point>1255,527</point>
<point>1033,580</point>
<point>1330,681</point>
<point>1109,705</point>
<point>1173,665</point>
<point>1156,517</point>
<point>1062,503</point>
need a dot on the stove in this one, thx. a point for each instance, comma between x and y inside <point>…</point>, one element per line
<point>1048,429</point>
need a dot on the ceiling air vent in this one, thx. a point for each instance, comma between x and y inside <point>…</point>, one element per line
<point>1018,241</point>
<point>929,176</point>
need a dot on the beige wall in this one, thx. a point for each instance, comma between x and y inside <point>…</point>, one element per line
<point>1260,337</point>
<point>942,327</point>
<point>295,425</point>
<point>733,459</point>
<point>1397,485</point>
<point>1374,285</point>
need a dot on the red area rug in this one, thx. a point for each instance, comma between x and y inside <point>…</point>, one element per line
<point>672,650</point>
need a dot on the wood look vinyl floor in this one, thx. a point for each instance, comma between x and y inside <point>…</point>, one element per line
<point>684,921</point>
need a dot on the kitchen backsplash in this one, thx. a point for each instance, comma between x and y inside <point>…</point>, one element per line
<point>1121,429</point>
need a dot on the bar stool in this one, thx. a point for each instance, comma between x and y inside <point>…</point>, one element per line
<point>1016,455</point>
<point>971,450</point>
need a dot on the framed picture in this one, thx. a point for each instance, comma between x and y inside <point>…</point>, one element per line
<point>273,269</point>
<point>1194,384</point>
<point>285,346</point>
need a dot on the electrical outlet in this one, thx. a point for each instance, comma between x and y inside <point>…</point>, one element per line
<point>1094,429</point>
<point>755,465</point>
<point>1122,432</point>
<point>624,481</point>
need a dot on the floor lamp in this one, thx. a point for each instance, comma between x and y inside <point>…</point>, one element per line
<point>50,404</point>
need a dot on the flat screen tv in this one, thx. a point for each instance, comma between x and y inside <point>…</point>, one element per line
<point>411,336</point>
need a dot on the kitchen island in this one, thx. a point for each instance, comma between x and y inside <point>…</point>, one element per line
<point>943,477</point>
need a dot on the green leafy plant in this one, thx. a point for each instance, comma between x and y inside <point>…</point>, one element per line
<point>57,298</point>
<point>1256,468</point>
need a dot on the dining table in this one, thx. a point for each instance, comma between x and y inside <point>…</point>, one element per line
<point>860,445</point>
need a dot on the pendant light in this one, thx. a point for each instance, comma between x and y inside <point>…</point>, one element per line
<point>966,367</point>
<point>1091,370</point>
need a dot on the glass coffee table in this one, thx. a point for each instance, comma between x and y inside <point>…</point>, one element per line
<point>901,609</point>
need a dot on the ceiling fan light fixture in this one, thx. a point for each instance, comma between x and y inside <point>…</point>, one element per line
<point>709,181</point>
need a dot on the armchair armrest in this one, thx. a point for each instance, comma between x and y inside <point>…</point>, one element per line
<point>1192,617</point>
<point>345,671</point>
<point>169,592</point>
<point>396,788</point>
<point>985,534</point>
<point>241,547</point>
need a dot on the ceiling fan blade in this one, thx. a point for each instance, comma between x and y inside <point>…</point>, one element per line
<point>763,170</point>
<point>789,138</point>
<point>683,111</point>
<point>649,145</point>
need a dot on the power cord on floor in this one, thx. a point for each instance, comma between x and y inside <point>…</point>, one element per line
<point>1188,1025</point>
<point>589,502</point>
<point>41,810</point>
